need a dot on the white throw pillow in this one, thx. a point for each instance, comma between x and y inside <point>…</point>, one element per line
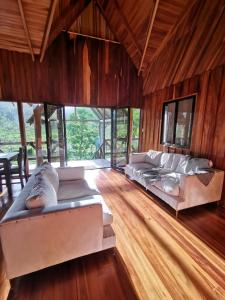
<point>153,157</point>
<point>42,194</point>
<point>52,175</point>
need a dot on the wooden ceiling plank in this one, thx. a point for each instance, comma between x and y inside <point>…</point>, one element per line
<point>47,29</point>
<point>127,26</point>
<point>173,30</point>
<point>169,35</point>
<point>102,11</point>
<point>152,19</point>
<point>67,18</point>
<point>27,33</point>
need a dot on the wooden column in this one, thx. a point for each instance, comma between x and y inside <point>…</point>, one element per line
<point>61,137</point>
<point>38,141</point>
<point>22,130</point>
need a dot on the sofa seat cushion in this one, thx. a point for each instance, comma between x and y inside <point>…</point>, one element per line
<point>170,184</point>
<point>72,189</point>
<point>107,215</point>
<point>141,166</point>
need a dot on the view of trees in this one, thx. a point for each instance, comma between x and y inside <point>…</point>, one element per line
<point>84,130</point>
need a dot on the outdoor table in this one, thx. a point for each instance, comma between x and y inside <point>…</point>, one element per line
<point>5,159</point>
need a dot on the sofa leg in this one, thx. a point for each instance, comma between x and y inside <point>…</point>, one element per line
<point>176,214</point>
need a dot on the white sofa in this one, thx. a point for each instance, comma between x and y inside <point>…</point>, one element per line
<point>33,239</point>
<point>179,180</point>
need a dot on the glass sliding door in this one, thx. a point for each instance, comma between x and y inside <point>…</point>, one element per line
<point>54,122</point>
<point>135,129</point>
<point>120,136</point>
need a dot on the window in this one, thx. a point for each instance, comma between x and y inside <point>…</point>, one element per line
<point>9,127</point>
<point>136,115</point>
<point>177,122</point>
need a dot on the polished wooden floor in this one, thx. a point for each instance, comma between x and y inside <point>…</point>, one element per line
<point>157,256</point>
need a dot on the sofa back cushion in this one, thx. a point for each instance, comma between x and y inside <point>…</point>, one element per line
<point>166,161</point>
<point>19,203</point>
<point>153,157</point>
<point>42,194</point>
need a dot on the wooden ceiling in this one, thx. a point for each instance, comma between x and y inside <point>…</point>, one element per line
<point>167,40</point>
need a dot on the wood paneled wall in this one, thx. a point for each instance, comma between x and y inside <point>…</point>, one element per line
<point>195,45</point>
<point>74,72</point>
<point>208,133</point>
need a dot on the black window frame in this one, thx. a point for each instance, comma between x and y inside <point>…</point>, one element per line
<point>177,101</point>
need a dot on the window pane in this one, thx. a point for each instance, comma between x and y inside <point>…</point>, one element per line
<point>29,119</point>
<point>135,129</point>
<point>183,126</point>
<point>168,128</point>
<point>9,124</point>
<point>83,129</point>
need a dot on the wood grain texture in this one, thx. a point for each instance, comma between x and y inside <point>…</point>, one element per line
<point>98,276</point>
<point>163,258</point>
<point>67,18</point>
<point>156,254</point>
<point>195,45</point>
<point>68,68</point>
<point>92,22</point>
<point>12,34</point>
<point>208,133</point>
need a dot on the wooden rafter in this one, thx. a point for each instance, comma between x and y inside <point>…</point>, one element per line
<point>27,33</point>
<point>91,37</point>
<point>67,18</point>
<point>98,4</point>
<point>126,24</point>
<point>151,22</point>
<point>169,35</point>
<point>47,29</point>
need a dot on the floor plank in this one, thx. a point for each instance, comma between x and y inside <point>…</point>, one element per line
<point>163,258</point>
<point>96,276</point>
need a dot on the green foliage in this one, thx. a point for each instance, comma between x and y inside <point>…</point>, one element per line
<point>82,135</point>
<point>82,129</point>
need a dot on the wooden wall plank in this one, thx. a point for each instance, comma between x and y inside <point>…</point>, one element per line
<point>74,73</point>
<point>208,134</point>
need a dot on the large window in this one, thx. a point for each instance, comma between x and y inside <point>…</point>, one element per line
<point>177,122</point>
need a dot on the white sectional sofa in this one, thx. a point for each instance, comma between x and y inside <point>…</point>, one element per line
<point>67,219</point>
<point>179,180</point>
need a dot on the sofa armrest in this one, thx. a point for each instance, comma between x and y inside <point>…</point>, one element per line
<point>70,173</point>
<point>195,192</point>
<point>137,157</point>
<point>59,234</point>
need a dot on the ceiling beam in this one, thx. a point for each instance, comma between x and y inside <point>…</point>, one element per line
<point>127,26</point>
<point>67,18</point>
<point>169,35</point>
<point>47,29</point>
<point>27,33</point>
<point>151,22</point>
<point>91,37</point>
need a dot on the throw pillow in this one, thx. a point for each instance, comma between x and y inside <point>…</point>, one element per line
<point>42,194</point>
